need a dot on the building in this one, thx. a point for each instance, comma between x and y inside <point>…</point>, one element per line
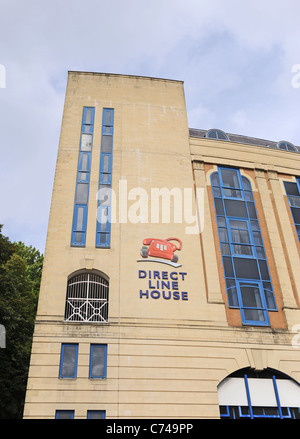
<point>171,279</point>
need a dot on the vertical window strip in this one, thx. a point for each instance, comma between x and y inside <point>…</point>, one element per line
<point>246,271</point>
<point>79,224</point>
<point>103,229</point>
<point>293,196</point>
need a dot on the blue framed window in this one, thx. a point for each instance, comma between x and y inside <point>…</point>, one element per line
<point>64,414</point>
<point>287,146</point>
<point>96,414</point>
<point>103,229</point>
<point>79,224</point>
<point>68,360</point>
<point>98,359</point>
<point>216,134</point>
<point>293,196</point>
<point>271,395</point>
<point>246,271</point>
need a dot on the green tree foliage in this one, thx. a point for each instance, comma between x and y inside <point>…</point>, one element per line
<point>20,274</point>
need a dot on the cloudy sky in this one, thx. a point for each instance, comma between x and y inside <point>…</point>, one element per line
<point>238,59</point>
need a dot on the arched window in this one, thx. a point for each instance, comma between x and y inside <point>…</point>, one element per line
<point>286,146</point>
<point>216,134</point>
<point>246,271</point>
<point>265,394</point>
<point>87,297</point>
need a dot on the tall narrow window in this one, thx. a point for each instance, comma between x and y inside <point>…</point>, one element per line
<point>105,180</point>
<point>293,195</point>
<point>83,178</point>
<point>246,271</point>
<point>98,356</point>
<point>68,361</point>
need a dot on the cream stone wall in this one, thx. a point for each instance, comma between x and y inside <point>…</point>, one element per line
<point>165,357</point>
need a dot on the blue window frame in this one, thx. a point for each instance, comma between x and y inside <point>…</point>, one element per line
<point>216,134</point>
<point>251,411</point>
<point>79,224</point>
<point>64,414</point>
<point>293,196</point>
<point>98,359</point>
<point>103,229</point>
<point>246,271</point>
<point>96,414</point>
<point>287,146</point>
<point>68,360</point>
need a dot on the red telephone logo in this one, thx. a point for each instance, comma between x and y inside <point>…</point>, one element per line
<point>161,248</point>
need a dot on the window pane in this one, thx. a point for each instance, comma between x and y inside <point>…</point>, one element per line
<point>82,193</point>
<point>105,163</point>
<point>246,268</point>
<point>232,293</point>
<point>84,162</point>
<point>108,118</point>
<point>251,210</point>
<point>88,116</point>
<point>291,188</point>
<point>219,206</point>
<point>246,184</point>
<point>228,267</point>
<point>217,192</point>
<point>86,142</point>
<point>250,295</point>
<point>68,361</point>
<point>79,218</point>
<point>215,179</point>
<point>78,236</point>
<point>93,414</point>
<point>234,193</point>
<point>242,250</point>
<point>223,234</point>
<point>260,253</point>
<point>254,315</point>
<point>264,270</point>
<point>230,178</point>
<point>235,208</point>
<point>64,414</point>
<point>294,201</point>
<point>105,194</point>
<point>237,224</point>
<point>225,248</point>
<point>241,236</point>
<point>97,369</point>
<point>106,143</point>
<point>257,238</point>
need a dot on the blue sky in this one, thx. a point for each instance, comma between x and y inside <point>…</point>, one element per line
<point>235,58</point>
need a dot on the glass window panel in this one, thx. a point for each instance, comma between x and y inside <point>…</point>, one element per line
<point>219,206</point>
<point>260,253</point>
<point>296,214</point>
<point>217,192</point>
<point>221,135</point>
<point>215,179</point>
<point>79,218</point>
<point>96,414</point>
<point>248,196</point>
<point>257,238</point>
<point>291,188</point>
<point>68,361</point>
<point>230,178</point>
<point>64,414</point>
<point>105,163</point>
<point>107,118</point>
<point>250,295</point>
<point>294,201</point>
<point>106,143</point>
<point>82,193</point>
<point>97,368</point>
<point>232,293</point>
<point>84,162</point>
<point>241,236</point>
<point>242,250</point>
<point>264,270</point>
<point>86,142</point>
<point>102,238</point>
<point>235,208</point>
<point>254,225</point>
<point>251,210</point>
<point>78,236</point>
<point>225,248</point>
<point>212,134</point>
<point>246,268</point>
<point>255,315</point>
<point>246,184</point>
<point>221,221</point>
<point>228,266</point>
<point>237,224</point>
<point>83,176</point>
<point>223,234</point>
<point>233,193</point>
<point>88,116</point>
<point>104,195</point>
<point>270,300</point>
